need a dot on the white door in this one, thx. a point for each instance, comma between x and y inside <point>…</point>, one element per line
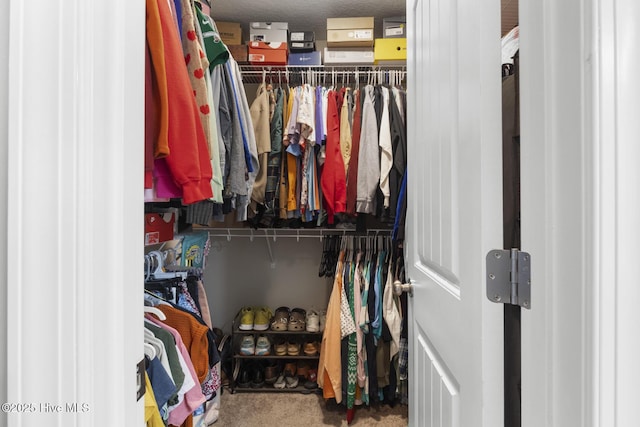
<point>454,212</point>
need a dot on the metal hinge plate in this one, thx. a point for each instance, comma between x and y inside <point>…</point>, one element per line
<point>509,277</point>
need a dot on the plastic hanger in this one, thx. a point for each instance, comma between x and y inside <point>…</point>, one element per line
<point>159,272</point>
<point>156,311</point>
<point>149,351</point>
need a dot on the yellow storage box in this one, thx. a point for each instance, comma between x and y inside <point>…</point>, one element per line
<point>390,51</point>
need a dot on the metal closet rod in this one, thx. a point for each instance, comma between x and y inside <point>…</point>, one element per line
<point>322,71</point>
<point>303,233</point>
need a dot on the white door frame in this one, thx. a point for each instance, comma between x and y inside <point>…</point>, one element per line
<point>71,184</point>
<point>4,116</point>
<point>580,121</point>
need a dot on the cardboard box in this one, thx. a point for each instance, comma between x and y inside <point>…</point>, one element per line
<point>395,27</point>
<point>239,53</point>
<point>305,58</point>
<point>230,32</point>
<point>350,32</point>
<point>269,32</point>
<point>302,41</point>
<point>390,51</point>
<point>348,56</point>
<point>158,227</point>
<point>274,53</point>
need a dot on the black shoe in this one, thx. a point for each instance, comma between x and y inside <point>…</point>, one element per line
<point>244,380</point>
<point>258,378</point>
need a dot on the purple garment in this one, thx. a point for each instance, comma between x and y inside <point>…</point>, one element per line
<point>319,116</point>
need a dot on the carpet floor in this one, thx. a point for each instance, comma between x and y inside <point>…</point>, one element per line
<point>296,410</point>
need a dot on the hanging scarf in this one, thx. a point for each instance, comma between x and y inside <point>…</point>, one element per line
<point>352,352</point>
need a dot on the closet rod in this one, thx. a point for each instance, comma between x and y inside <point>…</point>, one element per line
<point>276,233</point>
<point>283,74</point>
<point>323,69</point>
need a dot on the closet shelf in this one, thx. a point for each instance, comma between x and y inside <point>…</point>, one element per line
<point>277,233</point>
<point>271,332</point>
<point>273,356</point>
<point>271,389</point>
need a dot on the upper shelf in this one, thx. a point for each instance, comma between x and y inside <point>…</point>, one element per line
<point>304,16</point>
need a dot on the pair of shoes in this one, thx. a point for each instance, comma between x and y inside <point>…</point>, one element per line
<point>297,320</point>
<point>249,346</point>
<point>280,319</point>
<point>254,318</point>
<point>284,348</point>
<point>311,348</point>
<point>313,321</point>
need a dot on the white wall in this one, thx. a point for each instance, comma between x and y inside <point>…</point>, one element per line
<point>240,273</point>
<point>4,111</point>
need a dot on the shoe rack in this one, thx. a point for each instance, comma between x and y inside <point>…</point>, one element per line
<point>243,361</point>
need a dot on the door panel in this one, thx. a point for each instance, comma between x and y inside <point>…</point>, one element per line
<point>454,213</point>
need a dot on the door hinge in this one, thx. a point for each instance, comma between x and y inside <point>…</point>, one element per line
<point>509,277</point>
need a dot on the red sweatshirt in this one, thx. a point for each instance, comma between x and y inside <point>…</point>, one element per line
<point>186,139</point>
<point>333,181</point>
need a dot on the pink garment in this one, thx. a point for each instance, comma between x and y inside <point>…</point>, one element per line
<point>194,397</point>
<point>165,185</point>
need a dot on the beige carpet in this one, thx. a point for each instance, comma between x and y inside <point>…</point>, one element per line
<point>300,410</point>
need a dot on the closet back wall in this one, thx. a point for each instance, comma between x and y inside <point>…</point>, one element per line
<point>240,273</point>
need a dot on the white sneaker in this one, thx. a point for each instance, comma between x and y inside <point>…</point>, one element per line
<point>280,382</point>
<point>291,381</point>
<point>247,346</point>
<point>263,346</point>
<point>313,321</point>
<point>323,320</point>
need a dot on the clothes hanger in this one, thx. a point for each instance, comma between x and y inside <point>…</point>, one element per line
<point>159,272</point>
<point>156,311</point>
<point>149,351</point>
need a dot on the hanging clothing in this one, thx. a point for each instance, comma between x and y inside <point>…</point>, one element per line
<point>368,159</point>
<point>152,416</point>
<point>386,150</point>
<point>333,178</point>
<point>185,135</point>
<point>260,112</point>
<point>330,364</point>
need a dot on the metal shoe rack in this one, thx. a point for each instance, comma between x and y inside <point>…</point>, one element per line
<point>239,359</point>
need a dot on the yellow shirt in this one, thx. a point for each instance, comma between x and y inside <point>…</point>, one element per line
<point>151,413</point>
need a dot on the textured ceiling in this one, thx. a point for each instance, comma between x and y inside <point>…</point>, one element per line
<point>311,15</point>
